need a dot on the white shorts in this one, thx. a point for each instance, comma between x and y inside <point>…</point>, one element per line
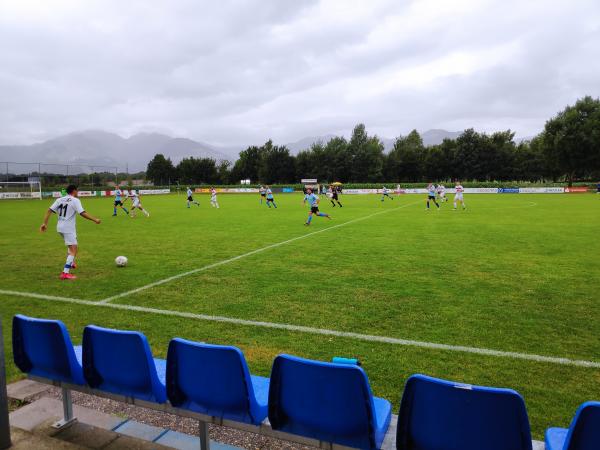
<point>136,204</point>
<point>458,196</point>
<point>70,238</point>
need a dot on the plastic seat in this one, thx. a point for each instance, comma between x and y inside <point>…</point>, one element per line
<point>121,362</point>
<point>43,348</point>
<point>326,401</point>
<point>215,380</point>
<point>442,415</point>
<point>583,434</point>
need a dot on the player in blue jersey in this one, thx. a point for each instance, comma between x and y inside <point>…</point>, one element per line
<point>385,192</point>
<point>190,198</point>
<point>431,191</point>
<point>270,199</point>
<point>313,201</point>
<point>119,202</point>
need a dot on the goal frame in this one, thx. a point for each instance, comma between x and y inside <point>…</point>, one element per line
<point>34,192</point>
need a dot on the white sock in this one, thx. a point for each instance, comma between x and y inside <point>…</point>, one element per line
<point>70,259</point>
<point>146,212</point>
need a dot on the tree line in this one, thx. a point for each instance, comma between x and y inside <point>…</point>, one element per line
<point>568,149</point>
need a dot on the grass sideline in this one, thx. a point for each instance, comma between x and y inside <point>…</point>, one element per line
<point>512,273</point>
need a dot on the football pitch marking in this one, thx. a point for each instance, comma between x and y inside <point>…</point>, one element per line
<point>317,331</point>
<point>245,255</point>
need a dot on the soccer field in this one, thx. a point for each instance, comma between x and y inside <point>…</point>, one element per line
<point>505,294</point>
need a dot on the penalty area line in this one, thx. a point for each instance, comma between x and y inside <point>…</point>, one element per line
<point>318,331</point>
<point>245,255</point>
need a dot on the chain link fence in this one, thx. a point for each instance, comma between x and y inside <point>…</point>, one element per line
<point>54,175</point>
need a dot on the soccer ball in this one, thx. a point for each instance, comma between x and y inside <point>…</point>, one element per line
<point>121,261</point>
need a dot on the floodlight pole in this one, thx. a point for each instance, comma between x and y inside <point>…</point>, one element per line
<point>4,424</point>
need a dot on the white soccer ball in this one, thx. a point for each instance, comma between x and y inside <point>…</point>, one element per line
<point>121,261</point>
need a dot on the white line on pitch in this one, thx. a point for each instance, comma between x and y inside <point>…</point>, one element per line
<point>319,331</point>
<point>253,252</point>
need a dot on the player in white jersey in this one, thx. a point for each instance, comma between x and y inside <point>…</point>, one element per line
<point>67,208</point>
<point>213,198</point>
<point>136,203</point>
<point>458,197</point>
<point>190,198</point>
<point>441,192</point>
<point>263,194</point>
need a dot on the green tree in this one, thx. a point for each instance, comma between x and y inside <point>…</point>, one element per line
<point>247,165</point>
<point>571,140</point>
<point>366,156</point>
<point>277,165</point>
<point>160,170</point>
<point>405,161</point>
<point>197,170</point>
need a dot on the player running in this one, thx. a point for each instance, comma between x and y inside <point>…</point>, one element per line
<point>136,203</point>
<point>431,196</point>
<point>67,208</point>
<point>190,198</point>
<point>263,194</point>
<point>441,192</point>
<point>458,197</point>
<point>270,199</point>
<point>332,193</point>
<point>213,198</point>
<point>313,201</point>
<point>385,192</point>
<point>119,202</point>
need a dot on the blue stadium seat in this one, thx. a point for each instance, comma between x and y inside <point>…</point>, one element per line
<point>326,401</point>
<point>215,380</point>
<point>43,348</point>
<point>583,434</point>
<point>121,362</point>
<point>439,414</point>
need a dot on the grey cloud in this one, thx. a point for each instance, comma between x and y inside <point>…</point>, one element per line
<point>240,72</point>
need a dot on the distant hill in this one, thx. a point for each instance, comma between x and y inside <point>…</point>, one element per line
<point>101,148</point>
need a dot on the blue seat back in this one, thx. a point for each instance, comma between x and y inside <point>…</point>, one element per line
<point>211,379</point>
<point>584,433</point>
<point>43,348</point>
<point>326,401</point>
<point>121,362</point>
<point>439,414</point>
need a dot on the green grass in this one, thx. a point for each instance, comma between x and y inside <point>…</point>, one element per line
<point>514,273</point>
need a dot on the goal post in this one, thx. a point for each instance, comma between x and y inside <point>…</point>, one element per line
<point>14,190</point>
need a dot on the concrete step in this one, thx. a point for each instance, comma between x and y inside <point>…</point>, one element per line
<point>95,430</point>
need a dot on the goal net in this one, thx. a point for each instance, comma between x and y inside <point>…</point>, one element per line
<point>11,190</point>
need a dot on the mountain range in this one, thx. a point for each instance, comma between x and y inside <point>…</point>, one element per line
<point>102,148</point>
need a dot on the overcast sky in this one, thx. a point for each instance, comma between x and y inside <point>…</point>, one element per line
<point>239,72</point>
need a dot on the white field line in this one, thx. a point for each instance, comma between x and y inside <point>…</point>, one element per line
<point>245,255</point>
<point>318,331</point>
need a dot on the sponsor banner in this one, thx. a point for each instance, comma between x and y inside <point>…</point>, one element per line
<point>240,190</point>
<point>480,190</point>
<point>359,191</point>
<point>86,193</point>
<point>508,190</point>
<point>17,195</point>
<point>576,190</point>
<point>308,181</point>
<point>228,190</point>
<point>542,190</point>
<point>287,190</point>
<point>154,191</point>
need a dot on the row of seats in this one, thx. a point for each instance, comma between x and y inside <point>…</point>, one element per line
<point>330,402</point>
